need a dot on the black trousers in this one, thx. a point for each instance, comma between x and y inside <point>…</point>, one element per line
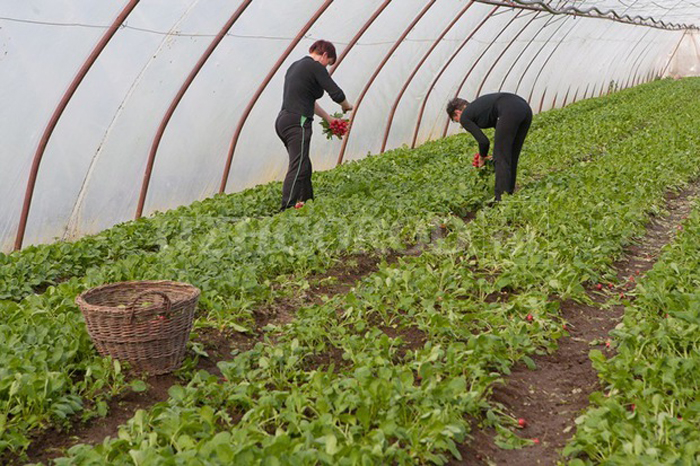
<point>296,136</point>
<point>515,117</point>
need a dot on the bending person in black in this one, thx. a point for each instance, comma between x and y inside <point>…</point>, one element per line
<point>511,116</point>
<point>304,83</point>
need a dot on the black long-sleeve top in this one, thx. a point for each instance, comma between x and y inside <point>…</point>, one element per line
<point>483,112</point>
<point>305,81</point>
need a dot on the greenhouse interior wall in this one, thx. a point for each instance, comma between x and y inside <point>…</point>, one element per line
<point>116,110</point>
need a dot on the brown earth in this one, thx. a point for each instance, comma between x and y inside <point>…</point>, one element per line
<point>550,397</point>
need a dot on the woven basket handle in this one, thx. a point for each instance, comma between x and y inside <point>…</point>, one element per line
<point>166,300</point>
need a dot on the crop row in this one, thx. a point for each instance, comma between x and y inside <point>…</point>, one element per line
<point>648,412</point>
<point>387,372</point>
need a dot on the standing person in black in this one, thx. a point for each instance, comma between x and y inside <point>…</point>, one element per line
<point>511,116</point>
<point>304,83</point>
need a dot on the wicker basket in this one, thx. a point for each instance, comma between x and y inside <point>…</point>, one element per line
<point>146,323</point>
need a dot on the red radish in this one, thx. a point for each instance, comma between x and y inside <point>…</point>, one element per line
<point>522,423</point>
<point>338,126</point>
<point>299,205</point>
<point>622,295</point>
<point>536,441</point>
<point>529,318</point>
<point>610,285</point>
<point>607,344</point>
<point>564,327</point>
<point>599,286</point>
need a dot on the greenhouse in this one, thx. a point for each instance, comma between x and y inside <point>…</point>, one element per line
<point>334,232</point>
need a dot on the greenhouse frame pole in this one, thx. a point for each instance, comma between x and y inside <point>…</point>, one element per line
<point>476,62</point>
<point>442,70</point>
<point>645,77</point>
<point>58,112</point>
<point>261,88</point>
<point>549,57</point>
<point>376,73</point>
<point>357,37</point>
<point>641,60</point>
<point>527,68</point>
<point>615,60</point>
<point>566,96</point>
<point>178,98</point>
<point>522,52</point>
<point>641,52</point>
<point>505,49</point>
<point>392,112</point>
<point>539,109</point>
<point>668,63</point>
<point>617,70</point>
<point>627,82</point>
<point>637,63</point>
<point>611,58</point>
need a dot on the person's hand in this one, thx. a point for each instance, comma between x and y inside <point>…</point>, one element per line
<point>346,106</point>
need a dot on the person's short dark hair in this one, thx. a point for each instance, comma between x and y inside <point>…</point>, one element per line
<point>323,46</point>
<point>455,104</point>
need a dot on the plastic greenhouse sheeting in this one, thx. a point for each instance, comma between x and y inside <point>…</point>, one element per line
<point>179,97</point>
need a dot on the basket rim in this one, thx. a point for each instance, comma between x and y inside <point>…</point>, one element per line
<point>191,291</point>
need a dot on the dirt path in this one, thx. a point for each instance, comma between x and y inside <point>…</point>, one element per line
<point>552,396</point>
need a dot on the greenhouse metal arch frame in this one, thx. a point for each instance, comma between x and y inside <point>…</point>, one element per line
<point>166,99</point>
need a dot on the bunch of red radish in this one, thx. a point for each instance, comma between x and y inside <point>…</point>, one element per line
<point>339,127</point>
<point>475,162</point>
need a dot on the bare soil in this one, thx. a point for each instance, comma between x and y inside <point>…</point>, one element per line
<point>550,397</point>
<point>52,442</point>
